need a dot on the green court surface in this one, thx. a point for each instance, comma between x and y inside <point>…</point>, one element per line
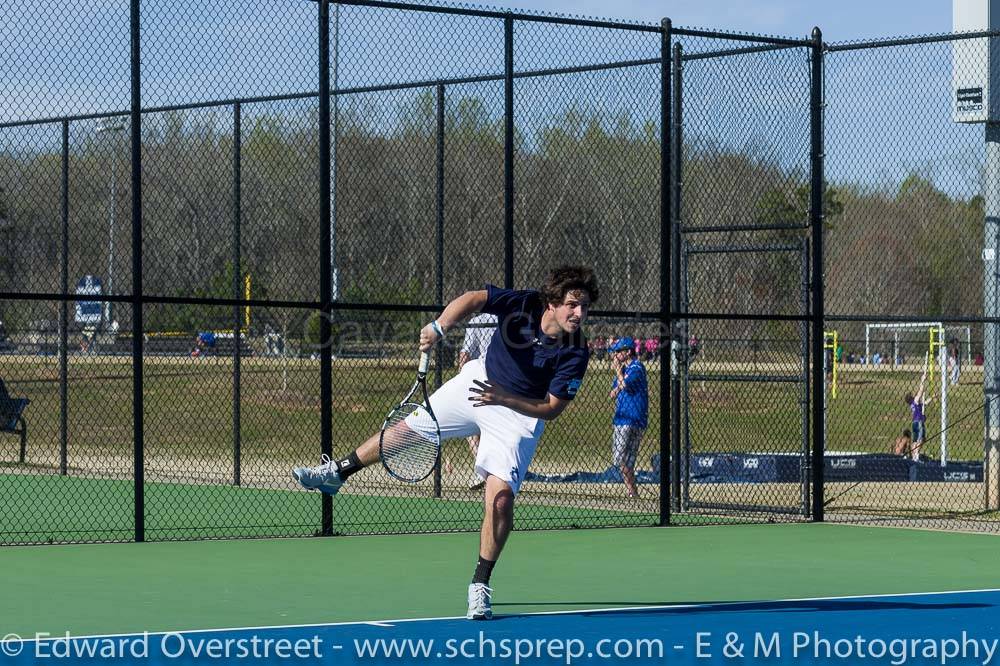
<point>73,508</point>
<point>115,588</point>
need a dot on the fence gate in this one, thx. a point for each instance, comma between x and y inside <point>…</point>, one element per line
<point>741,174</point>
<point>744,389</point>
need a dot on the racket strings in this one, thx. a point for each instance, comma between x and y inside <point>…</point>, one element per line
<point>410,442</point>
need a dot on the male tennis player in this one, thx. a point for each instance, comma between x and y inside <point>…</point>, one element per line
<point>531,372</point>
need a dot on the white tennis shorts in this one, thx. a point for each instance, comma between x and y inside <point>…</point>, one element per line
<point>507,440</point>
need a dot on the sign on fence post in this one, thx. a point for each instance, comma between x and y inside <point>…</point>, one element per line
<point>88,313</point>
<point>975,88</point>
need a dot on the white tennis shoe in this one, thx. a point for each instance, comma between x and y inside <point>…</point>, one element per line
<point>480,602</point>
<point>323,477</point>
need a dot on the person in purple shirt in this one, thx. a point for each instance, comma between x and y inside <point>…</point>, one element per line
<point>533,368</point>
<point>917,402</point>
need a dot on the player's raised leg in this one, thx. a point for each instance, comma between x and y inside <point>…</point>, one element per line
<point>329,475</point>
<point>449,403</point>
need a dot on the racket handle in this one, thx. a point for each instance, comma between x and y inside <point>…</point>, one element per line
<point>425,363</point>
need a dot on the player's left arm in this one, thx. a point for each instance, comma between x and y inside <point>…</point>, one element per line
<point>488,393</point>
<point>562,389</point>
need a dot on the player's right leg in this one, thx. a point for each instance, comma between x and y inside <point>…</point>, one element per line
<point>506,447</point>
<point>498,521</point>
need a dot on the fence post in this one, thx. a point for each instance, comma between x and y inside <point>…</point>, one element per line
<point>508,153</point>
<point>439,263</point>
<point>138,451</point>
<point>991,309</point>
<point>666,250</point>
<point>326,259</point>
<point>816,224</point>
<point>804,327</point>
<point>237,290</point>
<point>64,309</point>
<point>675,273</point>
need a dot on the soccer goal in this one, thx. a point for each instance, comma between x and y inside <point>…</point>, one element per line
<point>910,339</point>
<point>921,347</point>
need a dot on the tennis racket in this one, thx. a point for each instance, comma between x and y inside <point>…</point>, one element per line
<point>410,442</point>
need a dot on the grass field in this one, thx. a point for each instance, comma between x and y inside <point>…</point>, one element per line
<point>189,452</point>
<point>189,410</point>
<point>866,416</point>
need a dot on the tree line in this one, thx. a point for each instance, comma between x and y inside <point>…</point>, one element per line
<point>586,190</point>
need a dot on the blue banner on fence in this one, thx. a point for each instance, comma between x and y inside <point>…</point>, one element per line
<point>720,467</point>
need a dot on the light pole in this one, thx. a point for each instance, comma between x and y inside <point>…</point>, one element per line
<point>114,126</point>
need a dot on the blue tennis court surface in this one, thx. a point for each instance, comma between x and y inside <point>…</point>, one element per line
<point>942,628</point>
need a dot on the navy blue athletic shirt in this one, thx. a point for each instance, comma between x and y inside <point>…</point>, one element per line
<point>524,360</point>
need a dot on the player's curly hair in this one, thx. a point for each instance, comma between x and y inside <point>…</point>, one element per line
<point>564,279</point>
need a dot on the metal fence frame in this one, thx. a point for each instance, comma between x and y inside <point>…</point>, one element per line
<point>669,314</point>
<point>672,314</point>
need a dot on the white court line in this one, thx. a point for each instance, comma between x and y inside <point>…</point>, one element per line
<point>390,623</point>
<point>723,604</point>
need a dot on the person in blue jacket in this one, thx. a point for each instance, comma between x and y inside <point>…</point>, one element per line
<point>630,389</point>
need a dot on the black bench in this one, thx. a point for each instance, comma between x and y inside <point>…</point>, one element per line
<point>12,421</point>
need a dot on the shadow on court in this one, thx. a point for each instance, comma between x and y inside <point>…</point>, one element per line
<point>695,607</point>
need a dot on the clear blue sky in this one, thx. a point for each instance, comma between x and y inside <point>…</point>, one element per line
<point>888,114</point>
<point>841,20</point>
<point>73,58</point>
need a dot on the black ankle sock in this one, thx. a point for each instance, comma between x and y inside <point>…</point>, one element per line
<point>349,465</point>
<point>484,568</point>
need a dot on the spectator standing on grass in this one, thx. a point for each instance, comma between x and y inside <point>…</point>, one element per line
<point>630,390</point>
<point>652,345</point>
<point>954,361</point>
<point>694,348</point>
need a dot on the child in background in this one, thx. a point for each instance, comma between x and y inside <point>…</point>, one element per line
<point>917,402</point>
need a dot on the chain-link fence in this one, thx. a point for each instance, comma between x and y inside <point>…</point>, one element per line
<point>188,315</point>
<point>304,172</point>
<point>905,284</point>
